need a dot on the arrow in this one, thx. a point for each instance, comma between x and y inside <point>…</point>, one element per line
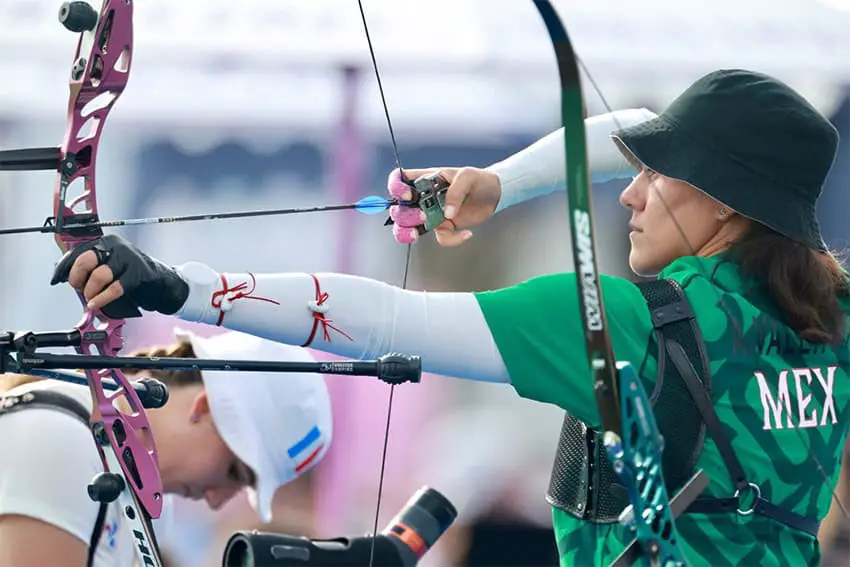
<point>370,205</point>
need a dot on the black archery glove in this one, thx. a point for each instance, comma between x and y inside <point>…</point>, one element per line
<point>147,283</point>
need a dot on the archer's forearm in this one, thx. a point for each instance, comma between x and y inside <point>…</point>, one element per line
<point>539,169</point>
<point>348,316</point>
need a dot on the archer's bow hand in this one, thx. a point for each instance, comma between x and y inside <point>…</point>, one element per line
<point>119,279</point>
<point>471,199</point>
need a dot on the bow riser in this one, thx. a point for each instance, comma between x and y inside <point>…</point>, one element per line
<point>99,73</point>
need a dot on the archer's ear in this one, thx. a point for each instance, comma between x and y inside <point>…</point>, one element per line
<point>200,406</point>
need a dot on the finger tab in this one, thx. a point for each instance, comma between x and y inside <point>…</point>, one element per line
<point>405,235</point>
<point>409,216</point>
<point>397,187</point>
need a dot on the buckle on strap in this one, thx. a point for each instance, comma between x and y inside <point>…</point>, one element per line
<point>751,492</point>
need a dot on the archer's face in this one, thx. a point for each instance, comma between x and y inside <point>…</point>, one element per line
<point>670,219</point>
<point>194,460</point>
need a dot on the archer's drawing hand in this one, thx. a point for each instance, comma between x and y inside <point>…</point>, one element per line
<point>119,279</point>
<point>471,199</point>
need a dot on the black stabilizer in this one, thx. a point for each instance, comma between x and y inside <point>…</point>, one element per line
<point>30,159</point>
<point>152,393</point>
<point>395,368</point>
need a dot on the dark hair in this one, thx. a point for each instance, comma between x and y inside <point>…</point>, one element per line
<point>175,378</point>
<point>804,283</point>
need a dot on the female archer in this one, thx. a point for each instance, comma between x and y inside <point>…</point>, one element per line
<point>219,433</point>
<point>749,309</point>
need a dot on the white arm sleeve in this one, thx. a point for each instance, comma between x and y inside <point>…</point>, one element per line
<point>48,460</point>
<point>372,318</point>
<point>539,169</point>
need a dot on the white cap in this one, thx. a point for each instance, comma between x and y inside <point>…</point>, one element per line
<point>279,424</point>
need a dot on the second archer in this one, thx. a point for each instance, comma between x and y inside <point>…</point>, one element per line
<point>217,435</point>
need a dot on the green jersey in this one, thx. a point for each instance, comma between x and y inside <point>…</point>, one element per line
<point>783,402</point>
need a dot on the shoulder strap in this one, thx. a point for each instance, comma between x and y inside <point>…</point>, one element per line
<point>698,389</point>
<point>583,482</point>
<point>706,409</point>
<point>97,532</point>
<point>669,307</point>
<point>675,409</point>
<point>47,399</point>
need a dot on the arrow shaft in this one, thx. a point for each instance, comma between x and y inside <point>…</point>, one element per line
<point>50,227</point>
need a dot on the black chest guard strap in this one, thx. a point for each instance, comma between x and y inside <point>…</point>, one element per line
<point>583,483</point>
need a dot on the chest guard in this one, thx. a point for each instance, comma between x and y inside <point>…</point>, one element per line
<point>582,482</point>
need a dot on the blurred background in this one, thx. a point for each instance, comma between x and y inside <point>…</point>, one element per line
<point>268,104</point>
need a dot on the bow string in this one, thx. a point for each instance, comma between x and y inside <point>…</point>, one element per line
<point>405,273</point>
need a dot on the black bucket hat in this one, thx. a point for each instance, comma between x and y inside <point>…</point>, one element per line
<point>748,141</point>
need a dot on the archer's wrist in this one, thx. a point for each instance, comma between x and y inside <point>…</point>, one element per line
<point>214,296</point>
<point>202,281</point>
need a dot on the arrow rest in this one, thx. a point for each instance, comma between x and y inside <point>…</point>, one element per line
<point>100,70</point>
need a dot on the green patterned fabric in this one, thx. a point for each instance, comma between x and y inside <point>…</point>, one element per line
<point>783,402</point>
